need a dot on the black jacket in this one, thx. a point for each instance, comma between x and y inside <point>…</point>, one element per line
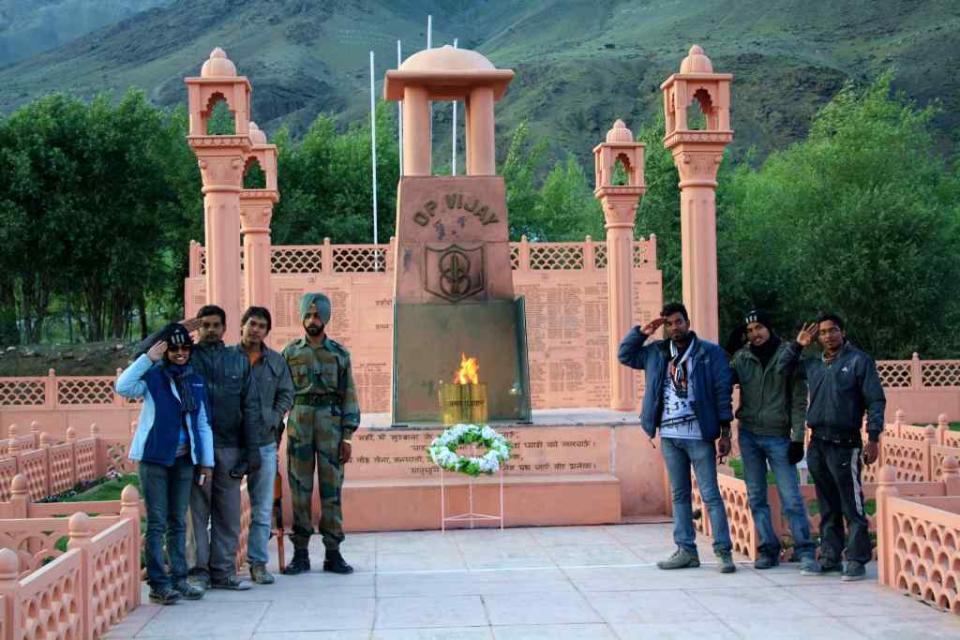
<point>233,399</point>
<point>840,393</point>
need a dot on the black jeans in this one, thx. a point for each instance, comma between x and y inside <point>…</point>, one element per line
<point>167,493</point>
<point>836,473</point>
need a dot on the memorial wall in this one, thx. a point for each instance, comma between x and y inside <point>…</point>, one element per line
<point>564,285</point>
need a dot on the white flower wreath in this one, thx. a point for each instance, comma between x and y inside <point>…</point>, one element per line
<point>443,449</point>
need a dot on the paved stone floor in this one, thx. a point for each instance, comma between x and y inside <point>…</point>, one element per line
<point>552,583</point>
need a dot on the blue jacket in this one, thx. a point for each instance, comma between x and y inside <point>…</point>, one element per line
<point>143,379</point>
<point>710,377</point>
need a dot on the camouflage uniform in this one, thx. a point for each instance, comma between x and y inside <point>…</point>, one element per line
<point>325,411</point>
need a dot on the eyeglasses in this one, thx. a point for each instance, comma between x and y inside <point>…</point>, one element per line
<point>174,348</point>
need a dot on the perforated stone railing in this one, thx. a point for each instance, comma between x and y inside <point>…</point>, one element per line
<point>369,258</point>
<point>918,545</point>
<point>77,594</point>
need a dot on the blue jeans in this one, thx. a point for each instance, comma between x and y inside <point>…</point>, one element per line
<point>756,451</point>
<point>679,456</point>
<point>166,491</point>
<point>260,486</point>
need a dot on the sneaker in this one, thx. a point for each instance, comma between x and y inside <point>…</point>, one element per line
<point>230,583</point>
<point>854,571</point>
<point>681,559</point>
<point>199,578</point>
<point>726,562</point>
<point>164,595</point>
<point>830,567</point>
<point>299,564</point>
<point>188,591</point>
<point>810,567</point>
<point>259,573</point>
<point>766,561</point>
<point>334,563</point>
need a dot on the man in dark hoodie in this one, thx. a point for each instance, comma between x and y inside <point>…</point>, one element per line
<point>844,385</point>
<point>235,415</point>
<point>687,400</point>
<point>771,431</point>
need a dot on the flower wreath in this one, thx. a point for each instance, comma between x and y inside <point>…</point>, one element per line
<point>443,449</point>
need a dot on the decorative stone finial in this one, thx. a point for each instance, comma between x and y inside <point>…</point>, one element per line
<point>45,439</point>
<point>887,474</point>
<point>218,66</point>
<point>18,486</point>
<point>619,132</point>
<point>79,526</point>
<point>696,61</point>
<point>13,430</point>
<point>71,433</point>
<point>130,496</point>
<point>950,466</point>
<point>447,58</point>
<point>9,565</point>
<point>257,136</point>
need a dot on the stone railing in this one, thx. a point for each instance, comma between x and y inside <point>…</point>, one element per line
<point>918,544</point>
<point>80,593</point>
<point>51,467</point>
<point>919,374</point>
<point>743,531</point>
<point>61,392</point>
<point>371,258</point>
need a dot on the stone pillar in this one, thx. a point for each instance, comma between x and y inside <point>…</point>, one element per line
<point>222,159</point>
<point>481,150</point>
<point>619,210</point>
<point>697,155</point>
<point>256,210</point>
<point>417,139</point>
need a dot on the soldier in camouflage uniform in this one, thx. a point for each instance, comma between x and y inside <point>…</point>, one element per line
<point>325,414</point>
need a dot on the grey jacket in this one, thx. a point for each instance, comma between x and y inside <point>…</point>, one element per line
<point>275,391</point>
<point>840,393</point>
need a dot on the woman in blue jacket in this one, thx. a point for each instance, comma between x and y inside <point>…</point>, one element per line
<point>173,437</point>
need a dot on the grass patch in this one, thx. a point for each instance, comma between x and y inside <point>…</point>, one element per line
<point>954,426</point>
<point>737,465</point>
<point>109,490</point>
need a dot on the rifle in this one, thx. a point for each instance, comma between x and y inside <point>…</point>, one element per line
<point>278,515</point>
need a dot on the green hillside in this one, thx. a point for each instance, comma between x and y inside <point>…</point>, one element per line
<point>580,64</point>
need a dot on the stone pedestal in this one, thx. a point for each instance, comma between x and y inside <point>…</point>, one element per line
<point>256,210</point>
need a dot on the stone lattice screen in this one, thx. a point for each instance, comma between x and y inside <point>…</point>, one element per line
<point>919,545</point>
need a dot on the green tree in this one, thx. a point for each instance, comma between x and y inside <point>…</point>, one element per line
<point>860,218</point>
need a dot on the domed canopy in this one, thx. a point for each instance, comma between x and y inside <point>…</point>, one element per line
<point>696,61</point>
<point>447,58</point>
<point>619,132</point>
<point>257,136</point>
<point>218,66</point>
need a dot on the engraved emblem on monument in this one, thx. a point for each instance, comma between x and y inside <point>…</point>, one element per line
<point>454,273</point>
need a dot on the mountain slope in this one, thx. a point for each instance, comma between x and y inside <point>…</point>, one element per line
<point>579,64</point>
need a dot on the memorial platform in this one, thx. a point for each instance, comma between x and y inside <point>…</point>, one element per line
<point>568,467</point>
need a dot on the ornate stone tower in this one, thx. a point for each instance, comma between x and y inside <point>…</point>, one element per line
<point>222,159</point>
<point>619,203</point>
<point>697,155</point>
<point>454,285</point>
<point>256,210</point>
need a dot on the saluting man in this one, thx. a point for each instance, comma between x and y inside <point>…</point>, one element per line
<point>325,414</point>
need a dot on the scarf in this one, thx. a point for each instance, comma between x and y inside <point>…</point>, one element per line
<point>678,366</point>
<point>765,351</point>
<point>179,374</point>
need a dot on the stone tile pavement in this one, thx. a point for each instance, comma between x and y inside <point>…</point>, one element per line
<point>551,583</point>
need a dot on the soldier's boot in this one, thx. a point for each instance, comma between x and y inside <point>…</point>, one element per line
<point>299,564</point>
<point>334,562</point>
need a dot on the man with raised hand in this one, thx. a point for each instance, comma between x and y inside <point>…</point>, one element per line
<point>235,417</point>
<point>687,399</point>
<point>844,384</point>
<point>770,432</point>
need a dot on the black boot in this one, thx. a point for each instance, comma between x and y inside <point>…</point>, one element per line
<point>334,562</point>
<point>299,564</point>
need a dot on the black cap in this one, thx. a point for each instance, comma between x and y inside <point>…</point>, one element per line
<point>760,316</point>
<point>176,333</point>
